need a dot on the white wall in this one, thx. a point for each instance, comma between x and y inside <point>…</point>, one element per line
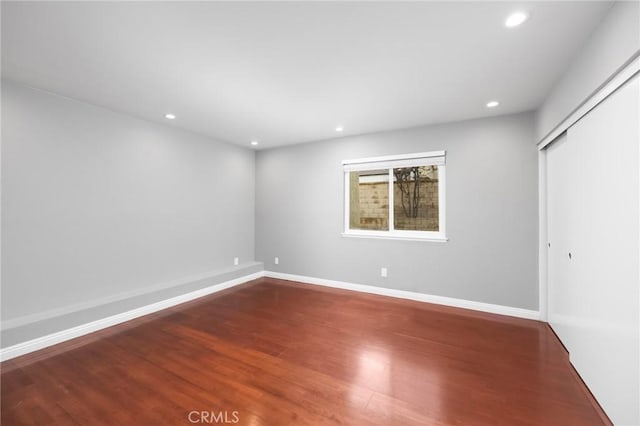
<point>97,203</point>
<point>612,44</point>
<point>492,215</point>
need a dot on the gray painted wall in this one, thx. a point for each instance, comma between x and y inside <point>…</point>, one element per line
<point>612,44</point>
<point>492,213</point>
<point>97,204</point>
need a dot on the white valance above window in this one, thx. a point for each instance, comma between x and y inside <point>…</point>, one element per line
<point>436,158</point>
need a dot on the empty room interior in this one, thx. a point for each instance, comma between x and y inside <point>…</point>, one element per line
<point>320,213</point>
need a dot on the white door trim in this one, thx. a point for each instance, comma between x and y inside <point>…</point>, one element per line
<point>543,236</point>
<point>616,81</point>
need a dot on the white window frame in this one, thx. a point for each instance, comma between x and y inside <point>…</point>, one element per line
<point>390,162</point>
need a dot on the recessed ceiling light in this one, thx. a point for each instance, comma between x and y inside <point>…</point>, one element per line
<point>254,143</point>
<point>170,116</point>
<point>492,104</point>
<point>339,129</point>
<point>515,19</point>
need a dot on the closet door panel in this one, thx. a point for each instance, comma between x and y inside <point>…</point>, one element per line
<point>593,214</point>
<point>560,194</point>
<point>605,254</point>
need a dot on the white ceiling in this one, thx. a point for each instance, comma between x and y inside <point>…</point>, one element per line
<point>289,72</point>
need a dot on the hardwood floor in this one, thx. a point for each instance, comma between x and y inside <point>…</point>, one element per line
<point>274,352</point>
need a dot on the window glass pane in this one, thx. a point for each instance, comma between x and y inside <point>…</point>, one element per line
<point>415,198</point>
<point>369,200</point>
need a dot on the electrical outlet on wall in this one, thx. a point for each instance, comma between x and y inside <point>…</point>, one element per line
<point>236,261</point>
<point>383,272</point>
<point>276,260</point>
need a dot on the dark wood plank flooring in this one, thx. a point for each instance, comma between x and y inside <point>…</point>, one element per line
<point>273,352</point>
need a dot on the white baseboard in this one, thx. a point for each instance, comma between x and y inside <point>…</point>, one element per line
<point>81,330</point>
<point>402,294</point>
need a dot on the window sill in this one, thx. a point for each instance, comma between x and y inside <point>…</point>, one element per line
<point>395,236</point>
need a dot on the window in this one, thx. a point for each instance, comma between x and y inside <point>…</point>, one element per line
<point>400,196</point>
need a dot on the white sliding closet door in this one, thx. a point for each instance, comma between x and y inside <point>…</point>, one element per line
<point>594,258</point>
<point>561,200</point>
